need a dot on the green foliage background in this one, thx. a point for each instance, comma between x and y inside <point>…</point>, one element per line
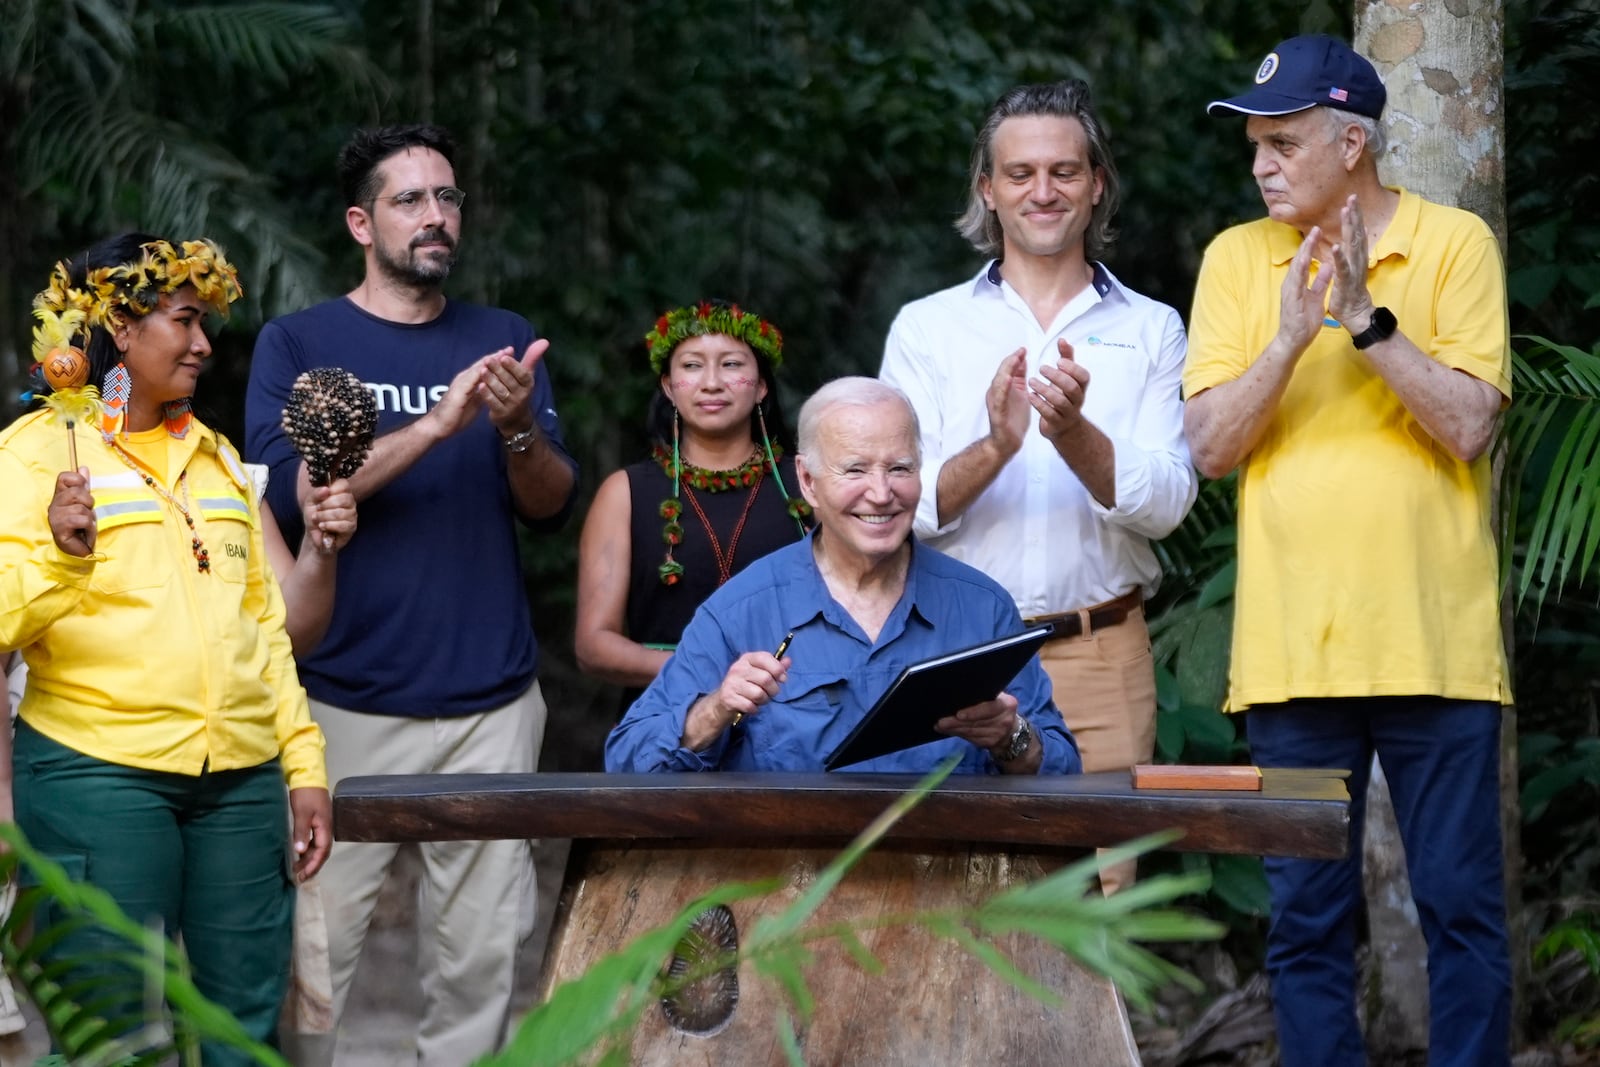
<point>806,159</point>
<point>803,158</point>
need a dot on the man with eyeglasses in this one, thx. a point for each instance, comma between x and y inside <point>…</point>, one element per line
<point>429,663</point>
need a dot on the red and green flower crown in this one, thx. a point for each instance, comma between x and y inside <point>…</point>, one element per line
<point>705,318</point>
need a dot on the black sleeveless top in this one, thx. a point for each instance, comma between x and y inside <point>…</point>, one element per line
<point>657,613</point>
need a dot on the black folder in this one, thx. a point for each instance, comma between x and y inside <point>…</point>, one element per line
<point>926,692</point>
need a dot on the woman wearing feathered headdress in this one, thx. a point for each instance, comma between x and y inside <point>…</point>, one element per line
<point>162,714</point>
<point>715,495</point>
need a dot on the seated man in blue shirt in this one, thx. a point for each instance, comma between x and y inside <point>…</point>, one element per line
<point>863,601</point>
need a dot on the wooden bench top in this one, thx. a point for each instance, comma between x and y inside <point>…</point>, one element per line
<point>1296,813</point>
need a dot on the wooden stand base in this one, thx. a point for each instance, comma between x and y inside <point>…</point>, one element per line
<point>648,845</point>
<point>933,1004</point>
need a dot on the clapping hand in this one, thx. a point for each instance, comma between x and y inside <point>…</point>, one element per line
<point>1007,403</point>
<point>1059,392</point>
<point>1349,301</point>
<point>506,385</point>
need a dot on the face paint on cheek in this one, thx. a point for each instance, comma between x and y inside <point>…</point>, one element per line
<point>742,383</point>
<point>683,383</point>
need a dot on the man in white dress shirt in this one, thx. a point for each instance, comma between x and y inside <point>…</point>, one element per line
<point>1052,426</point>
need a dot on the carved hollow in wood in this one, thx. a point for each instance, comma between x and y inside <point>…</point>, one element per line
<point>706,956</point>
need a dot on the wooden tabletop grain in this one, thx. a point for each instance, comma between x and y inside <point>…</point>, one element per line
<point>1296,813</point>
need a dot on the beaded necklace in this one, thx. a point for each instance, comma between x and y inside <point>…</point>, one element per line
<point>202,556</point>
<point>748,475</point>
<point>725,562</point>
<point>743,476</point>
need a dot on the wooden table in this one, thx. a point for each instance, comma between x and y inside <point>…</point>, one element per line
<point>646,845</point>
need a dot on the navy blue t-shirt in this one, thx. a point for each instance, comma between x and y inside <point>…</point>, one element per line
<point>430,616</point>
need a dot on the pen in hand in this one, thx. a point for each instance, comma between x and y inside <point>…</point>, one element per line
<point>783,646</point>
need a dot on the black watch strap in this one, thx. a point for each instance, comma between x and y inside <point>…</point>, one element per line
<point>1380,328</point>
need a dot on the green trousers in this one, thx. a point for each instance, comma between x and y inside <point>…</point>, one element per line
<point>204,856</point>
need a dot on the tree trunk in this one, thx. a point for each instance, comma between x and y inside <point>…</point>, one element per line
<point>1442,65</point>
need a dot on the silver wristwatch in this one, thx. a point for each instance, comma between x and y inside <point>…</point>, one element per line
<point>1016,746</point>
<point>521,442</point>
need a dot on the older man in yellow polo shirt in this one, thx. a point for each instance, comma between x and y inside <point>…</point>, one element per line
<point>1349,355</point>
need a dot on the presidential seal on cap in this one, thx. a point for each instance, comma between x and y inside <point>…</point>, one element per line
<point>1311,71</point>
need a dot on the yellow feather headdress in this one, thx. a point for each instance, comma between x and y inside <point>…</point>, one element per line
<point>66,311</point>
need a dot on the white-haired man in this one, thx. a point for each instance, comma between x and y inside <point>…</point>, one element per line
<point>863,601</point>
<point>1349,354</point>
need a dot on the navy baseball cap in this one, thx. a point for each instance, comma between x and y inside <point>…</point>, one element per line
<point>1310,71</point>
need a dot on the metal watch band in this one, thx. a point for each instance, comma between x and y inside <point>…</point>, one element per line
<point>1017,744</point>
<point>521,442</point>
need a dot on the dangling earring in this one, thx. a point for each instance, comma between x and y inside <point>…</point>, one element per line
<point>672,533</point>
<point>797,507</point>
<point>114,394</point>
<point>177,415</point>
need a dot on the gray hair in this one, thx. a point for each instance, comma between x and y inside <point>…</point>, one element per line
<point>1068,99</point>
<point>855,392</point>
<point>1377,140</point>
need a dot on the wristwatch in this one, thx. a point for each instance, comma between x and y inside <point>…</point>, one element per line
<point>1016,746</point>
<point>521,442</point>
<point>1381,327</point>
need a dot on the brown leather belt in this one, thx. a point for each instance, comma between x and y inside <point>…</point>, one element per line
<point>1071,623</point>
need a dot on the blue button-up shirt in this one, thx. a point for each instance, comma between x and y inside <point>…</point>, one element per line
<point>837,672</point>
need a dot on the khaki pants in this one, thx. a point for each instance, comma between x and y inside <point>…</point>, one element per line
<point>11,1017</point>
<point>478,896</point>
<point>1105,687</point>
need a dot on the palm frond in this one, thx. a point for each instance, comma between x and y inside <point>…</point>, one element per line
<point>83,41</point>
<point>124,995</point>
<point>1191,639</point>
<point>174,195</point>
<point>1551,437</point>
<point>1203,543</point>
<point>21,38</point>
<point>269,41</point>
<point>158,172</point>
<point>287,270</point>
<point>196,187</point>
<point>103,21</point>
<point>1103,932</point>
<point>95,147</point>
<point>90,146</point>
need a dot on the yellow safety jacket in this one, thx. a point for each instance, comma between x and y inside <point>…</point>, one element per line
<point>135,656</point>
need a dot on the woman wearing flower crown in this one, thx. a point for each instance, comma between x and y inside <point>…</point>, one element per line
<point>162,715</point>
<point>715,495</point>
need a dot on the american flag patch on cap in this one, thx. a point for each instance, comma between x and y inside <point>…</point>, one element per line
<point>1339,95</point>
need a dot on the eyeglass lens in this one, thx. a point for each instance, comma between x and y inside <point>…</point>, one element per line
<point>415,201</point>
